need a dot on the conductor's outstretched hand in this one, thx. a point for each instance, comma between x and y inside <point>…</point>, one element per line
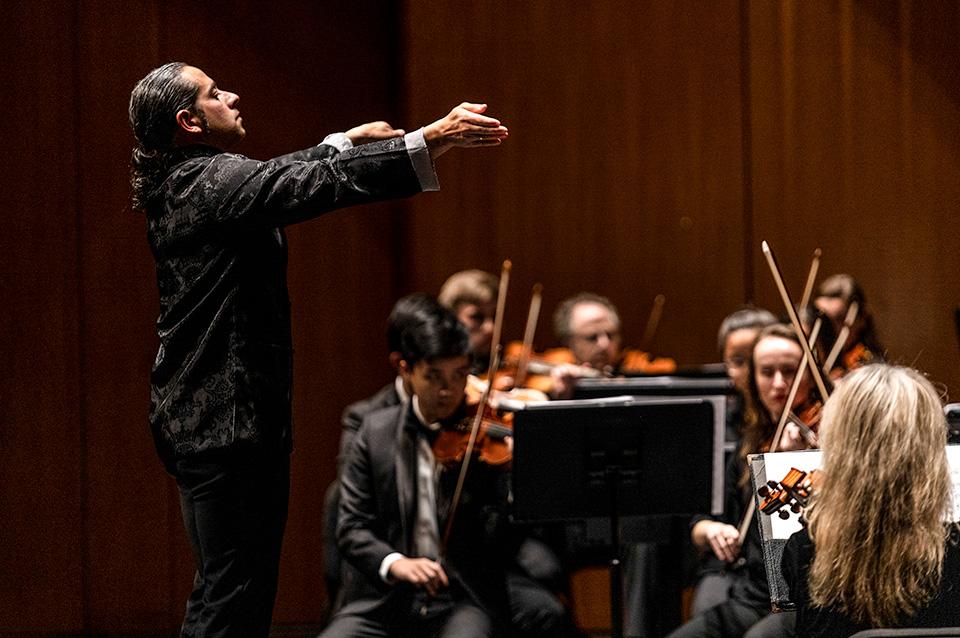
<point>464,126</point>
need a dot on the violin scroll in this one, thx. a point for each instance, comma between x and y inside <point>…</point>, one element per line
<point>789,494</point>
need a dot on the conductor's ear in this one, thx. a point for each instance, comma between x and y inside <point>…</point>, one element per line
<point>189,122</point>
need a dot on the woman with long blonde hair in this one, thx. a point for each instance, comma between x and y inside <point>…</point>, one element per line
<point>877,551</point>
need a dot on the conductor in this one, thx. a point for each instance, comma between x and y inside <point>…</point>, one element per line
<point>221,381</point>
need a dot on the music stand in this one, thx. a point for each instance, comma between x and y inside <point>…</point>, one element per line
<point>661,386</point>
<point>614,457</point>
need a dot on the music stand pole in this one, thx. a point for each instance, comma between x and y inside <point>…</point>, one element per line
<point>616,566</point>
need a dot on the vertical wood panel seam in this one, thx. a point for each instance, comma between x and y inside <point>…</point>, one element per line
<point>846,106</point>
<point>81,350</point>
<point>906,98</point>
<point>746,151</point>
<point>401,259</point>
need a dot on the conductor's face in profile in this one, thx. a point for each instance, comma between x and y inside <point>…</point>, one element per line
<point>215,119</point>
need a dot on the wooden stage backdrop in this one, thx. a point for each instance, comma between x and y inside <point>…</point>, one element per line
<point>653,146</point>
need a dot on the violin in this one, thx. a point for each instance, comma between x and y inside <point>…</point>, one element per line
<point>857,356</point>
<point>490,447</point>
<point>636,362</point>
<point>789,494</point>
<point>807,418</point>
<point>641,360</point>
<point>539,367</point>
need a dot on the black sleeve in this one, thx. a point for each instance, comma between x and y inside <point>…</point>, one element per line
<point>239,190</point>
<point>795,565</point>
<point>733,496</point>
<point>359,531</point>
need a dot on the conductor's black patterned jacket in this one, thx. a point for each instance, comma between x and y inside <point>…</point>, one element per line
<point>222,374</point>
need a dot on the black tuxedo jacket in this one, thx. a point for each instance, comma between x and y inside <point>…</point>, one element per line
<point>354,414</point>
<point>378,501</point>
<point>222,373</point>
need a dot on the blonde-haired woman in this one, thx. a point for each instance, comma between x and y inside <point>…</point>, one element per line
<point>877,552</point>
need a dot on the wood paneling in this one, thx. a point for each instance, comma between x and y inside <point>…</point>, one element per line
<point>622,174</point>
<point>93,540</point>
<point>41,416</point>
<point>856,145</point>
<point>653,145</point>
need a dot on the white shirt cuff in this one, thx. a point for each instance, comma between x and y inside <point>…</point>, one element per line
<point>340,141</point>
<point>389,560</point>
<point>420,158</point>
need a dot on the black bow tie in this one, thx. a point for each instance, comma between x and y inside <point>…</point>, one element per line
<point>427,433</point>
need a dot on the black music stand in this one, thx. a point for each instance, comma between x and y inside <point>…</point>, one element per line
<point>615,457</point>
<point>660,386</point>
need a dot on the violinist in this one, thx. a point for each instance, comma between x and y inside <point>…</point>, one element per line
<point>834,298</point>
<point>400,581</point>
<point>433,365</point>
<point>589,326</point>
<point>472,296</point>
<point>741,598</point>
<point>735,339</point>
<point>876,551</point>
<point>406,312</point>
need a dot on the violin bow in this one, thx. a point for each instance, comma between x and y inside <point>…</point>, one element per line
<point>477,420</point>
<point>841,341</point>
<point>784,417</point>
<point>811,278</point>
<point>536,297</point>
<point>652,323</point>
<point>795,321</point>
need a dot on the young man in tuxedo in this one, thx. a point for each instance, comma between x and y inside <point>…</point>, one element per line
<point>395,502</point>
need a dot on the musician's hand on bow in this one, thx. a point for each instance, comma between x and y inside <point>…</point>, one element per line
<point>564,380</point>
<point>792,438</point>
<point>421,572</point>
<point>722,539</point>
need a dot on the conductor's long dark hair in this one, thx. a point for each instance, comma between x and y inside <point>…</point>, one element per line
<point>154,103</point>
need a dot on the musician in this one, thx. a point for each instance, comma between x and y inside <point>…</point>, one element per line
<point>534,610</point>
<point>393,508</point>
<point>589,325</point>
<point>735,339</point>
<point>472,296</point>
<point>774,363</point>
<point>406,312</point>
<point>876,552</point>
<point>834,297</point>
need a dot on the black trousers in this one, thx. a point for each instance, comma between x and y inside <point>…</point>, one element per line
<point>234,509</point>
<point>461,619</point>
